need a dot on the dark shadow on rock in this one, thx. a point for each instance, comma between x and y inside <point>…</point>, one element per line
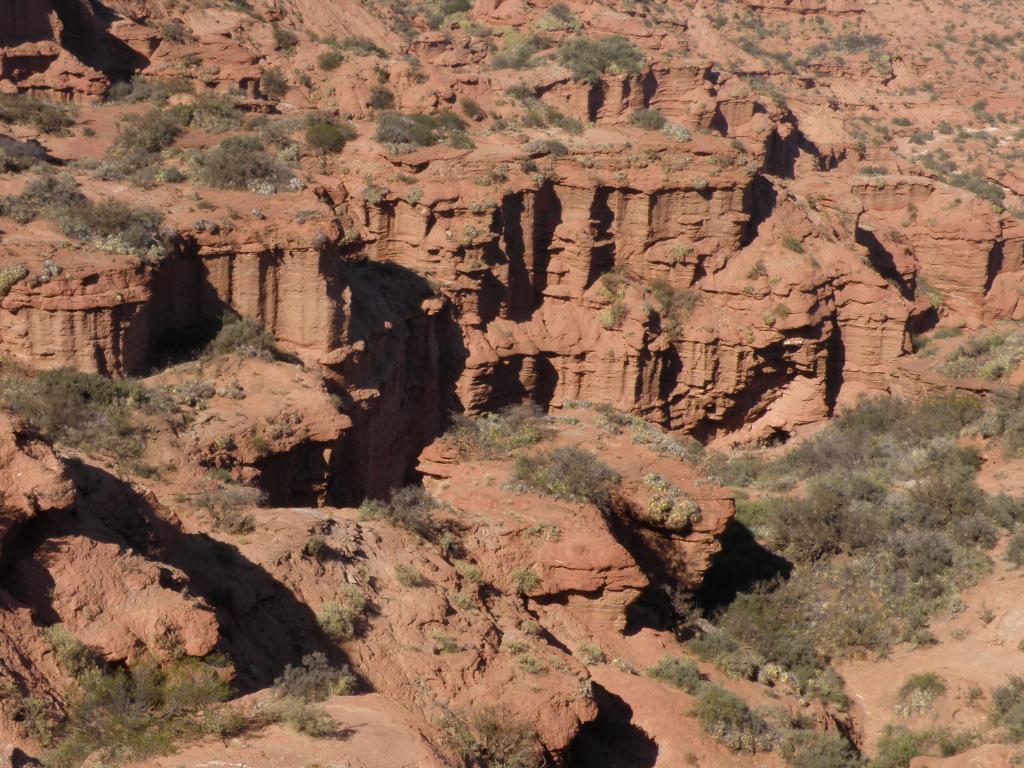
<point>611,740</point>
<point>739,567</point>
<point>263,626</point>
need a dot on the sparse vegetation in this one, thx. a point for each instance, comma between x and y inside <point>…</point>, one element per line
<point>728,719</point>
<point>589,58</point>
<point>44,116</point>
<point>403,133</point>
<point>84,411</point>
<point>274,83</point>
<point>569,473</point>
<point>240,162</point>
<point>501,434</point>
<point>315,679</point>
<point>107,225</point>
<point>410,507</point>
<point>343,619</point>
<point>493,736</point>
<point>679,672</point>
<point>329,137</point>
<point>242,336</point>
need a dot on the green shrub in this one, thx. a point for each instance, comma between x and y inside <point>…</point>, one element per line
<point>410,508</point>
<point>674,303</point>
<point>417,130</point>
<point>151,89</point>
<point>224,505</point>
<point>11,276</point>
<point>497,435</point>
<point>17,156</point>
<point>80,410</point>
<point>274,83</point>
<point>792,243</point>
<point>360,46</point>
<point>45,116</point>
<point>727,718</point>
<point>242,336</point>
<point>813,749</point>
<point>315,679</point>
<point>130,715</point>
<point>494,736</point>
<point>108,225</point>
<point>472,109</point>
<point>1008,708</point>
<point>409,576</point>
<point>308,719</point>
<point>328,137</point>
<point>589,58</point>
<point>524,580</point>
<point>316,547</point>
<point>381,97</point>
<point>648,119</point>
<point>919,692</point>
<point>679,672</point>
<point>329,61</point>
<point>73,656</point>
<point>1015,549</point>
<point>519,51</point>
<point>285,38</point>
<point>239,162</point>
<point>214,112</point>
<point>569,473</point>
<point>342,620</point>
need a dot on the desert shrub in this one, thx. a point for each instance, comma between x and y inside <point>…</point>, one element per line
<point>129,715</point>
<point>45,116</point>
<point>648,119</point>
<point>329,137</point>
<point>919,692</point>
<point>315,679</point>
<point>727,718</point>
<point>303,717</point>
<point>1008,708</point>
<point>524,580</point>
<point>225,504</point>
<point>793,243</point>
<point>552,147</point>
<point>175,31</point>
<point>674,304</point>
<point>16,156</point>
<point>813,749</point>
<point>214,112</point>
<point>493,736</point>
<point>151,89</point>
<point>108,225</point>
<point>991,357</point>
<point>410,507</point>
<point>501,434</point>
<point>73,656</point>
<point>469,571</point>
<point>588,58</point>
<point>240,162</point>
<point>274,83</point>
<point>342,620</point>
<point>679,672</point>
<point>286,38</point>
<point>135,153</point>
<point>472,109</point>
<point>381,97</point>
<point>519,51</point>
<point>898,745</point>
<point>329,61</point>
<point>409,576</point>
<point>417,130</point>
<point>243,336</point>
<point>568,473</point>
<point>360,46</point>
<point>316,547</point>
<point>1015,549</point>
<point>80,410</point>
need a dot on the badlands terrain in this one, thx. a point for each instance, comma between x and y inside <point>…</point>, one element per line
<point>511,383</point>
